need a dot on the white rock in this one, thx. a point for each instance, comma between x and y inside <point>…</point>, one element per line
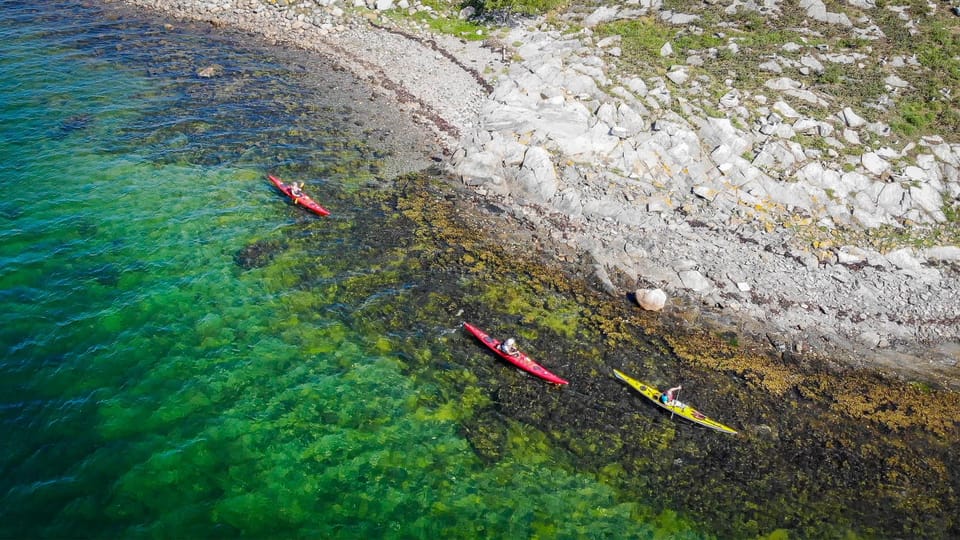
<point>771,66</point>
<point>608,41</point>
<point>721,132</point>
<point>678,76</point>
<point>601,15</point>
<point>874,163</point>
<point>705,192</point>
<point>730,99</point>
<point>946,153</point>
<point>568,201</point>
<point>629,120</point>
<point>695,281</point>
<point>851,255</point>
<point>537,176</point>
<point>843,58</point>
<point>930,200</point>
<point>895,82</point>
<point>817,10</point>
<point>869,218</point>
<point>851,137</point>
<point>806,126</point>
<point>889,153</point>
<point>927,162</point>
<point>904,258</point>
<point>892,199</point>
<point>658,204</point>
<point>880,128</point>
<point>851,118</point>
<point>870,338</point>
<point>914,173</point>
<point>785,110</point>
<point>812,63</point>
<point>678,19</point>
<point>808,96</point>
<point>943,253</point>
<point>637,86</point>
<point>651,299</point>
<point>483,169</point>
<point>783,83</point>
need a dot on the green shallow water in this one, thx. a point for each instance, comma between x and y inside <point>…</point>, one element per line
<point>185,355</point>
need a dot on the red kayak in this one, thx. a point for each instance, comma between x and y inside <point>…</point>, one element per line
<point>303,200</point>
<point>521,360</point>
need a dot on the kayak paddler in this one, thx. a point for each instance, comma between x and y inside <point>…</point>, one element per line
<point>668,396</point>
<point>510,347</point>
<point>296,189</point>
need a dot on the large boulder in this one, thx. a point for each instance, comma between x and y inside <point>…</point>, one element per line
<point>651,299</point>
<point>538,177</point>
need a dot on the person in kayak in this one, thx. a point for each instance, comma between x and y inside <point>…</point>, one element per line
<point>668,397</point>
<point>510,347</point>
<point>296,189</point>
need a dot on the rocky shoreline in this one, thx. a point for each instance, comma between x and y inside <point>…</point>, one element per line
<point>728,216</point>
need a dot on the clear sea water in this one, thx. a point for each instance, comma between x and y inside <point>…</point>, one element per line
<point>176,359</point>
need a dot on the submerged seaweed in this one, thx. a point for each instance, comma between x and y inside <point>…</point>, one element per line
<point>813,459</point>
<point>258,254</point>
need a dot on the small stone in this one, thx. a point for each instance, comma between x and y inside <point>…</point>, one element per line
<point>651,299</point>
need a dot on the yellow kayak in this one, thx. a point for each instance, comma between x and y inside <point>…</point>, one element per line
<point>680,409</point>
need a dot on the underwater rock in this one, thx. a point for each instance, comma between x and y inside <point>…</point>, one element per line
<point>257,255</point>
<point>76,122</point>
<point>212,70</point>
<point>487,435</point>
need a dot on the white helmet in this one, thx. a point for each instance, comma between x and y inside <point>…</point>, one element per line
<point>510,342</point>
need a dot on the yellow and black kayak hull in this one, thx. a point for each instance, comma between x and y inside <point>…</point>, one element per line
<point>680,409</point>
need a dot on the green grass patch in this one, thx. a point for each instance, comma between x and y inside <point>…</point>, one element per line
<point>468,30</point>
<point>525,7</point>
<point>952,212</point>
<point>641,38</point>
<point>914,118</point>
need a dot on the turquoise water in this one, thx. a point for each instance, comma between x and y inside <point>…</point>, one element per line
<point>177,359</point>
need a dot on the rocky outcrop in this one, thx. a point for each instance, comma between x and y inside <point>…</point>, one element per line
<point>725,196</point>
